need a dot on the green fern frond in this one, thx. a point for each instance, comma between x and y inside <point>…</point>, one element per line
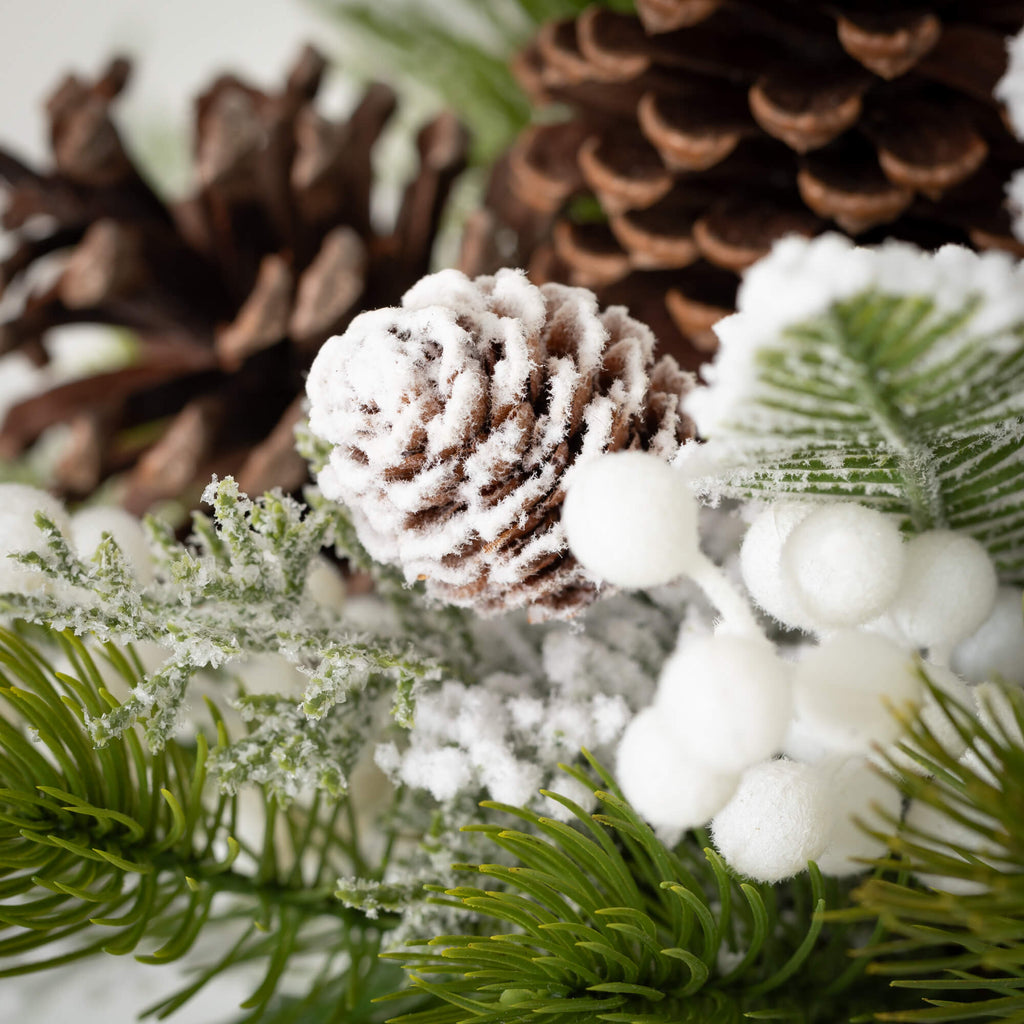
<point>910,402</point>
<point>120,848</point>
<point>957,923</point>
<point>600,920</point>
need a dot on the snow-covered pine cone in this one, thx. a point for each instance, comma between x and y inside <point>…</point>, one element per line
<point>458,419</point>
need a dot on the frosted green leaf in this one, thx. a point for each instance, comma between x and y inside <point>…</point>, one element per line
<point>888,376</point>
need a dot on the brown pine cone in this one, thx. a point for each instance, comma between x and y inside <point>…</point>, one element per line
<point>703,130</point>
<point>230,291</point>
<point>458,420</point>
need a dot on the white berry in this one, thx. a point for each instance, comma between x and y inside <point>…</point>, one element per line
<point>860,797</point>
<point>661,782</point>
<point>89,524</point>
<point>996,650</point>
<point>947,591</point>
<point>729,698</point>
<point>631,519</point>
<point>844,564</point>
<point>778,820</point>
<point>20,535</point>
<point>847,688</point>
<point>760,558</point>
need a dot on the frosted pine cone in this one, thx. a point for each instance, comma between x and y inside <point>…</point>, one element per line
<point>459,419</point>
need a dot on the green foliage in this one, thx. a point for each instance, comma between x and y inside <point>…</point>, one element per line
<point>238,590</point>
<point>600,920</point>
<point>121,848</point>
<point>894,401</point>
<point>958,939</point>
<point>459,50</point>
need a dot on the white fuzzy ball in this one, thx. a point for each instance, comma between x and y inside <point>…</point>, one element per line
<point>858,794</point>
<point>89,524</point>
<point>844,563</point>
<point>661,782</point>
<point>20,535</point>
<point>760,558</point>
<point>778,820</point>
<point>729,696</point>
<point>996,650</point>
<point>844,690</point>
<point>325,584</point>
<point>947,591</point>
<point>631,519</point>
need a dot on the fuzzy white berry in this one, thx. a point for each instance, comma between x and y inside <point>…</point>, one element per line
<point>760,558</point>
<point>89,524</point>
<point>996,650</point>
<point>947,591</point>
<point>778,820</point>
<point>847,688</point>
<point>20,535</point>
<point>661,782</point>
<point>728,697</point>
<point>860,797</point>
<point>844,563</point>
<point>631,519</point>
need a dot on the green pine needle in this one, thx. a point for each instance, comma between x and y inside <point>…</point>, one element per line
<point>600,920</point>
<point>121,849</point>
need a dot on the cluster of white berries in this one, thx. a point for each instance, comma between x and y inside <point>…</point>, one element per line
<point>772,745</point>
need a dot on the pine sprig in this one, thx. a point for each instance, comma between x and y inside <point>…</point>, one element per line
<point>600,920</point>
<point>904,391</point>
<point>957,923</point>
<point>121,848</point>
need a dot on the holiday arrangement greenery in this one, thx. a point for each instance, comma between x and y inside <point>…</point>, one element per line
<point>574,688</point>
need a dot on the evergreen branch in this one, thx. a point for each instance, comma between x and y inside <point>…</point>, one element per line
<point>958,931</point>
<point>239,589</point>
<point>902,398</point>
<point>602,920</point>
<point>120,847</point>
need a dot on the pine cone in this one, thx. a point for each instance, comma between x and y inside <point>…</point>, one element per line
<point>459,418</point>
<point>230,291</point>
<point>706,129</point>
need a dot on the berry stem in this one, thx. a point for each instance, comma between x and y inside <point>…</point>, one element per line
<point>732,606</point>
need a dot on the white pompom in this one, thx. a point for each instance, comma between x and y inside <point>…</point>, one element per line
<point>845,690</point>
<point>664,786</point>
<point>760,560</point>
<point>728,698</point>
<point>936,720</point>
<point>940,832</point>
<point>996,650</point>
<point>778,820</point>
<point>325,584</point>
<point>860,797</point>
<point>89,524</point>
<point>947,591</point>
<point>844,564</point>
<point>631,519</point>
<point>20,535</point>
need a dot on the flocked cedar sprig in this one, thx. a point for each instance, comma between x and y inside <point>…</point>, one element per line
<point>241,588</point>
<point>890,376</point>
<point>599,919</point>
<point>124,849</point>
